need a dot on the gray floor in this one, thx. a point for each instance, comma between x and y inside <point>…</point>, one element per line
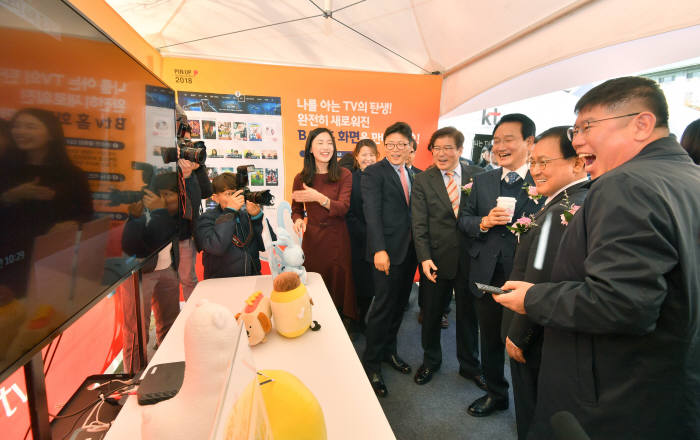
<point>436,410</point>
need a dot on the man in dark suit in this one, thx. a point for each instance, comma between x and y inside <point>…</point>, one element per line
<point>441,249</point>
<point>621,316</point>
<point>560,177</point>
<point>386,189</point>
<point>493,245</point>
<point>412,157</point>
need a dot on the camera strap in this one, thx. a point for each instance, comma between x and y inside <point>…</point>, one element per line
<point>184,200</point>
<point>237,241</point>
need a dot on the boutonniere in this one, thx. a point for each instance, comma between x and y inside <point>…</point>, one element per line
<point>570,210</point>
<point>467,189</point>
<point>522,225</point>
<point>532,192</point>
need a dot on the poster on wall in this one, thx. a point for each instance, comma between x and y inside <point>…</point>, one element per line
<point>239,130</point>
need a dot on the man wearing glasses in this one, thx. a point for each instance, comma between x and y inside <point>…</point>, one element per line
<point>442,253</point>
<point>386,195</point>
<point>492,245</point>
<point>560,176</point>
<point>622,315</point>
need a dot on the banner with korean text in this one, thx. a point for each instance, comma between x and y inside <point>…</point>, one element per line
<point>353,104</point>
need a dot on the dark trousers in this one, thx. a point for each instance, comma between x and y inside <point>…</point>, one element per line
<point>421,293</point>
<point>524,395</point>
<point>467,330</point>
<point>391,294</point>
<point>490,314</point>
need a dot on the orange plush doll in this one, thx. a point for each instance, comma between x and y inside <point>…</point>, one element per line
<point>256,318</point>
<point>291,306</point>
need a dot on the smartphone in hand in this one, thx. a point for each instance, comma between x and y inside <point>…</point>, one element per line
<point>490,289</point>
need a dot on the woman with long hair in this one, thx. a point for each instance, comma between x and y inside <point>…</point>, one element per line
<point>365,154</point>
<point>321,192</point>
<point>41,188</point>
<point>690,140</point>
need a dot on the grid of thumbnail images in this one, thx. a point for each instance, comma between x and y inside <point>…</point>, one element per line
<point>239,130</point>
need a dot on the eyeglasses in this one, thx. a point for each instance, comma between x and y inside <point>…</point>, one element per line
<point>446,149</point>
<point>397,146</point>
<point>573,131</point>
<point>542,163</point>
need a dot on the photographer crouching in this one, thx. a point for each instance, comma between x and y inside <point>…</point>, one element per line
<point>230,233</point>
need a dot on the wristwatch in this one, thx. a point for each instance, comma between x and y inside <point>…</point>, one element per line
<point>325,202</point>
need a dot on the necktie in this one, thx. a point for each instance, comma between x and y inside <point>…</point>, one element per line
<point>452,191</point>
<point>512,177</point>
<point>404,182</point>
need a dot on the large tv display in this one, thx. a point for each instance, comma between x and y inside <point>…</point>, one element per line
<point>82,125</point>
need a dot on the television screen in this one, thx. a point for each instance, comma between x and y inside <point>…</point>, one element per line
<point>82,128</point>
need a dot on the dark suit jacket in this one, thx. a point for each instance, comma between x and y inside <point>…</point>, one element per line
<point>523,332</point>
<point>435,233</point>
<point>415,170</point>
<point>487,247</point>
<point>387,215</point>
<point>355,219</point>
<point>622,315</point>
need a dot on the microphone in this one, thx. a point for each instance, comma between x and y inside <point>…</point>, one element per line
<point>566,427</point>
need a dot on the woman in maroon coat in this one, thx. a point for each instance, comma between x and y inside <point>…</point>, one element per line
<point>321,192</point>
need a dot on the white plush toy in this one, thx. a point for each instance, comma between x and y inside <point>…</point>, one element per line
<point>291,258</point>
<point>210,332</point>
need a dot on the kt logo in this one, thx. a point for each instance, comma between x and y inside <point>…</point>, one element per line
<point>486,117</point>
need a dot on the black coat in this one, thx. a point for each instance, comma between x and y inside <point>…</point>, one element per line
<point>523,332</point>
<point>387,215</point>
<point>355,219</point>
<point>435,233</point>
<point>214,234</point>
<point>622,319</point>
<point>487,247</point>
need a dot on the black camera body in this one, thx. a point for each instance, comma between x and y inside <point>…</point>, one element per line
<point>262,198</point>
<point>117,197</point>
<point>194,152</point>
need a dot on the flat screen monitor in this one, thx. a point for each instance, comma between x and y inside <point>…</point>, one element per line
<point>82,128</point>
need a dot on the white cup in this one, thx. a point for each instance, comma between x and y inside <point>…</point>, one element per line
<point>508,203</point>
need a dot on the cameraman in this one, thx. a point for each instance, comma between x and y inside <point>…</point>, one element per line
<point>144,233</point>
<point>193,174</point>
<point>230,233</point>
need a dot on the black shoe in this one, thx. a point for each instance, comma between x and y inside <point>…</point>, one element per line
<point>478,379</point>
<point>378,385</point>
<point>398,364</point>
<point>444,323</point>
<point>423,375</point>
<point>486,405</point>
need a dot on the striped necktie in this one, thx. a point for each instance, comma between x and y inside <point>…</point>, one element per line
<point>453,191</point>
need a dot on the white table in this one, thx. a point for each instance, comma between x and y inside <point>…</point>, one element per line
<point>324,360</point>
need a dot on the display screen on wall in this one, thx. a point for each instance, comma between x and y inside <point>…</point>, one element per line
<point>77,116</point>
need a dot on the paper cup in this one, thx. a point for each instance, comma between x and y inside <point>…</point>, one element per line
<point>508,203</point>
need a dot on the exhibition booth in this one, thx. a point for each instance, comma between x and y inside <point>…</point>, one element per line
<point>107,76</point>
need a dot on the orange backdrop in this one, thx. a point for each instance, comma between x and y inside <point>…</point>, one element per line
<point>360,104</point>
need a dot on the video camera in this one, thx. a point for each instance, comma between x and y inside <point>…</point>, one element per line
<point>262,198</point>
<point>194,152</point>
<point>117,197</point>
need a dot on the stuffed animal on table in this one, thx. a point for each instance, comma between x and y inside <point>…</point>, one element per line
<point>291,306</point>
<point>291,258</point>
<point>210,332</point>
<point>256,318</point>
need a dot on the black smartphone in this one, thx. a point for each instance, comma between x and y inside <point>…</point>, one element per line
<point>490,289</point>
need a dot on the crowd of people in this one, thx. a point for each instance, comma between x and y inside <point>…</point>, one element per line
<point>592,231</point>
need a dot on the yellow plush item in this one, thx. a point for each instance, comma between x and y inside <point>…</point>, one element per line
<point>291,307</point>
<point>293,411</point>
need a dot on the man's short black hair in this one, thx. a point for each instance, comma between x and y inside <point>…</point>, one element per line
<point>618,91</point>
<point>165,181</point>
<point>399,127</point>
<point>527,125</point>
<point>414,144</point>
<point>452,132</point>
<point>559,133</point>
